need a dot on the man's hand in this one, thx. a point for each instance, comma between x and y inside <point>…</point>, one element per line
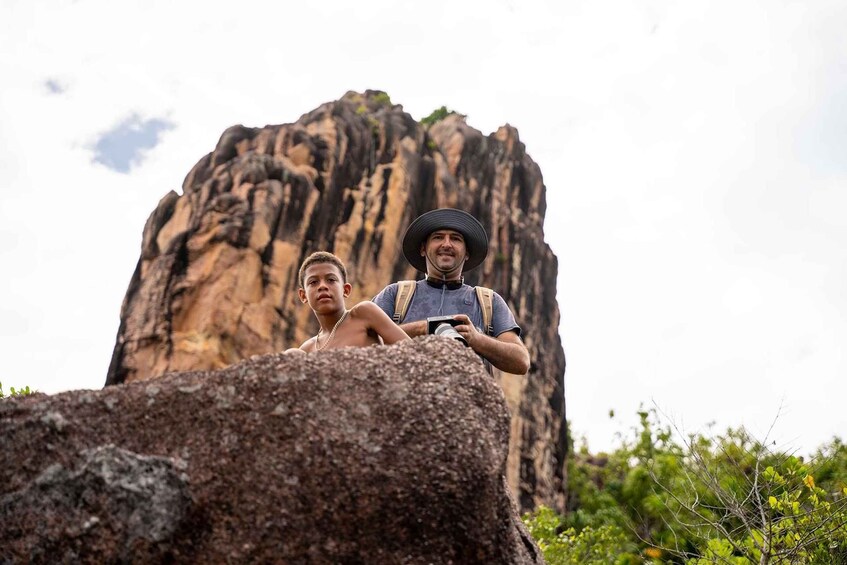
<point>506,352</point>
<point>467,330</point>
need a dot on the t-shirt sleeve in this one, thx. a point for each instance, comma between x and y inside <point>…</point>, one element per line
<point>503,319</point>
<point>385,299</point>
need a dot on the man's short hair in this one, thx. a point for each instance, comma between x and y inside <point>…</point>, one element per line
<point>321,257</point>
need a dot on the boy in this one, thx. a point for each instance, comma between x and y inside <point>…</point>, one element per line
<point>324,287</point>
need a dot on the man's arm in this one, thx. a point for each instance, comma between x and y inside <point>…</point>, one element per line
<point>414,329</point>
<point>506,351</point>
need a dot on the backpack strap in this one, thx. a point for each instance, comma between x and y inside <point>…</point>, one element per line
<point>405,292</point>
<point>485,296</point>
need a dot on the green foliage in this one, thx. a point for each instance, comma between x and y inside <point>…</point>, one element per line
<point>13,392</point>
<point>382,98</point>
<point>718,551</point>
<point>832,467</point>
<point>436,116</point>
<point>725,499</point>
<point>593,546</point>
<point>765,505</point>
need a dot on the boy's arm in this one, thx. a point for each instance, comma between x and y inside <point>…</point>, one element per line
<point>385,301</point>
<point>378,321</point>
<point>308,345</point>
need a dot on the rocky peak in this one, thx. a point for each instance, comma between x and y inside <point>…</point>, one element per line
<point>216,281</point>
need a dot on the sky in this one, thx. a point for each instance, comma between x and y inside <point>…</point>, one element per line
<point>694,155</point>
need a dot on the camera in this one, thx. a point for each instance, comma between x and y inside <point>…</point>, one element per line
<point>443,326</point>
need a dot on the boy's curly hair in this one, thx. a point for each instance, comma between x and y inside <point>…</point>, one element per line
<point>321,257</point>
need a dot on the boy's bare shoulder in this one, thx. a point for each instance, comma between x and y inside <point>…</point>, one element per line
<point>365,308</point>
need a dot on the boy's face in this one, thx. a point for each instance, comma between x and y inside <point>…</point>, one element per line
<point>323,288</point>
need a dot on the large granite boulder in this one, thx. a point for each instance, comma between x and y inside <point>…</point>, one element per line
<point>216,279</point>
<point>363,455</point>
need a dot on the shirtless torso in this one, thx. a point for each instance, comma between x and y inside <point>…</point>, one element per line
<point>363,325</point>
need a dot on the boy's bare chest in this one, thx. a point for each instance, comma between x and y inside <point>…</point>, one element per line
<point>353,333</point>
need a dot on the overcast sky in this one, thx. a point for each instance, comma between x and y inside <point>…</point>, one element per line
<point>694,153</point>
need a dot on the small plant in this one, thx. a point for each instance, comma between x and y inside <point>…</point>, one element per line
<point>374,123</point>
<point>436,116</point>
<point>382,98</point>
<point>15,392</point>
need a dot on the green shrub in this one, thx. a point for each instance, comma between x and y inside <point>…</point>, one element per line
<point>593,546</point>
<point>722,499</point>
<point>436,116</point>
<point>382,98</point>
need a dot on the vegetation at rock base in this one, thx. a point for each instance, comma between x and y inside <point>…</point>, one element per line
<point>727,499</point>
<point>15,392</point>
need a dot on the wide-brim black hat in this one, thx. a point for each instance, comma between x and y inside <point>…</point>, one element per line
<point>476,240</point>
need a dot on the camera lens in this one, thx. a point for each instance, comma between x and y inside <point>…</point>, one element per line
<point>446,330</point>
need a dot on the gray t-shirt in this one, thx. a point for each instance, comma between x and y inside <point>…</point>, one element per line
<point>429,301</point>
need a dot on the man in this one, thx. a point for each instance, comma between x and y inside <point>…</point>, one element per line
<point>444,243</point>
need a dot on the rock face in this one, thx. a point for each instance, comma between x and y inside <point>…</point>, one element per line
<point>217,278</point>
<point>114,505</point>
<point>373,455</point>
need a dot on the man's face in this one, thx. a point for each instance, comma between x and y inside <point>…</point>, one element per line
<point>323,288</point>
<point>445,253</point>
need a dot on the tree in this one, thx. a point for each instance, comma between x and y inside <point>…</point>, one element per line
<point>742,502</point>
<point>726,499</point>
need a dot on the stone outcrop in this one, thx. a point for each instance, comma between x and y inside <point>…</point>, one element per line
<point>216,280</point>
<point>371,455</point>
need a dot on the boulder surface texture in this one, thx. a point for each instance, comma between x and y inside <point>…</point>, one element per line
<point>362,455</point>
